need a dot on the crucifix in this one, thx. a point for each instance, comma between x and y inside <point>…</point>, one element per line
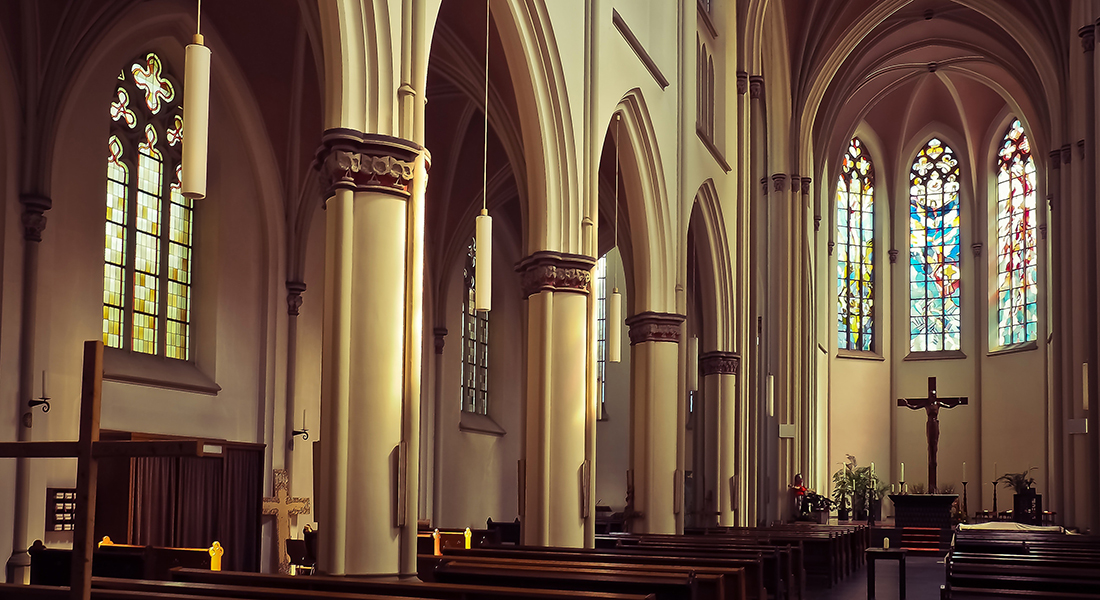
<point>932,405</point>
<point>88,450</point>
<point>283,507</point>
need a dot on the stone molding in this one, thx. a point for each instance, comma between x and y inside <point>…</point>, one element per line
<point>764,184</point>
<point>548,271</point>
<point>294,290</point>
<point>1088,37</point>
<point>742,83</point>
<point>778,181</point>
<point>976,248</point>
<point>806,181</point>
<point>756,87</point>
<point>1054,162</point>
<point>1067,154</point>
<point>720,363</point>
<point>357,161</point>
<point>34,218</point>
<point>893,252</point>
<point>1081,149</point>
<point>652,326</point>
<point>796,183</point>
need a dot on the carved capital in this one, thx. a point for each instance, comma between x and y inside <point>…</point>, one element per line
<point>1088,37</point>
<point>294,290</point>
<point>832,245</point>
<point>547,271</point>
<point>1067,154</point>
<point>778,181</point>
<point>976,248</point>
<point>764,185</point>
<point>349,159</point>
<point>806,181</point>
<point>34,218</point>
<point>817,222</point>
<point>1081,149</point>
<point>796,183</point>
<point>1050,203</point>
<point>654,327</point>
<point>1054,162</point>
<point>1043,231</point>
<point>742,83</point>
<point>440,334</point>
<point>720,363</point>
<point>893,252</point>
<point>756,87</point>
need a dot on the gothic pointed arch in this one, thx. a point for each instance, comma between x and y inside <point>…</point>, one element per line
<point>1016,244</point>
<point>855,250</point>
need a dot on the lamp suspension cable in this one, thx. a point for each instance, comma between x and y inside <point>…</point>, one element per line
<point>615,310</point>
<point>483,230</point>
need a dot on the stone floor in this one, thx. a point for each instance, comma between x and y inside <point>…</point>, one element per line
<point>924,576</point>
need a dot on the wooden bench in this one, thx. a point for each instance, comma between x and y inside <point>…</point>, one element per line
<point>1022,564</point>
<point>15,591</point>
<point>751,568</point>
<point>730,581</point>
<point>387,587</point>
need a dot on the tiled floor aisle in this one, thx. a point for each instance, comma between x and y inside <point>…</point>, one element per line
<point>924,576</point>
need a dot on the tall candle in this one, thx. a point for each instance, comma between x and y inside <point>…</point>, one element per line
<point>995,470</point>
<point>964,470</point>
<point>872,468</point>
<point>902,472</point>
<point>43,383</point>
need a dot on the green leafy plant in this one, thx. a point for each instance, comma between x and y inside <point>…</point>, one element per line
<point>856,482</point>
<point>817,501</point>
<point>1018,482</point>
<point>916,488</point>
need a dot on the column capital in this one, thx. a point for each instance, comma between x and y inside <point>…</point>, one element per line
<point>1054,162</point>
<point>764,184</point>
<point>756,87</point>
<point>806,181</point>
<point>294,290</point>
<point>34,218</point>
<point>1067,154</point>
<point>720,363</point>
<point>652,326</point>
<point>1088,38</point>
<point>796,183</point>
<point>742,83</point>
<point>353,160</point>
<point>440,334</point>
<point>778,181</point>
<point>549,271</point>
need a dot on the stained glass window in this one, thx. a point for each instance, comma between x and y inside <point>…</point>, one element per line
<point>147,250</point>
<point>475,344</point>
<point>1017,288</point>
<point>934,286</point>
<point>855,257</point>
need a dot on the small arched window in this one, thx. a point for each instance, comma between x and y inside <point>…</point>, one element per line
<point>147,250</point>
<point>1017,274</point>
<point>475,344</point>
<point>934,282</point>
<point>855,250</point>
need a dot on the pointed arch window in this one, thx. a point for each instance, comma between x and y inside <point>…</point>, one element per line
<point>1017,273</point>
<point>934,282</point>
<point>601,334</point>
<point>855,258</point>
<point>475,344</point>
<point>148,243</point>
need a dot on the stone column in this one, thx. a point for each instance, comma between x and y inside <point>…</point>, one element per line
<point>720,382</point>
<point>369,390</point>
<point>760,359</point>
<point>440,334</point>
<point>555,480</point>
<point>1092,488</point>
<point>654,362</point>
<point>1070,366</point>
<point>34,223</point>
<point>294,291</point>
<point>1058,331</point>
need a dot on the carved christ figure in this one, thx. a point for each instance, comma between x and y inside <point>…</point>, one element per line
<point>932,405</point>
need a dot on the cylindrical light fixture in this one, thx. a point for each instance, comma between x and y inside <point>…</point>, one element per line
<point>483,262</point>
<point>615,326</point>
<point>196,118</point>
<point>693,364</point>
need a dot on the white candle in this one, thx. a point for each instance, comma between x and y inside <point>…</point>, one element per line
<point>964,470</point>
<point>872,468</point>
<point>43,383</point>
<point>994,470</point>
<point>892,489</point>
<point>902,472</point>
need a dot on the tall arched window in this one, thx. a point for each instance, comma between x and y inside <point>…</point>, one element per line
<point>1017,275</point>
<point>147,250</point>
<point>475,344</point>
<point>855,264</point>
<point>934,287</point>
<point>601,332</point>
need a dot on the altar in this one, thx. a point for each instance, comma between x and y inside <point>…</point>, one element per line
<point>923,510</point>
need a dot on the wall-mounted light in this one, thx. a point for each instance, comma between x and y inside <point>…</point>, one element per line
<point>44,401</point>
<point>304,431</point>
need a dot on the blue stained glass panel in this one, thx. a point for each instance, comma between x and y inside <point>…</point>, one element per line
<point>855,218</point>
<point>1017,317</point>
<point>934,277</point>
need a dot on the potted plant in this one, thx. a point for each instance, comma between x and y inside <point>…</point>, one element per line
<point>843,488</point>
<point>819,505</point>
<point>1026,504</point>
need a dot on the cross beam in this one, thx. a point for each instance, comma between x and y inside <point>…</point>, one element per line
<point>932,405</point>
<point>87,450</point>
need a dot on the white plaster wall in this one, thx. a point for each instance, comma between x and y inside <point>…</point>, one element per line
<point>479,472</point>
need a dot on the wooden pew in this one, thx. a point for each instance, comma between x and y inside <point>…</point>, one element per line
<point>730,582</point>
<point>666,586</point>
<point>387,586</point>
<point>1022,564</point>
<point>15,591</point>
<point>752,568</point>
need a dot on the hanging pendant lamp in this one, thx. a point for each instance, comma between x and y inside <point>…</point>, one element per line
<point>483,229</point>
<point>615,300</point>
<point>196,114</point>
